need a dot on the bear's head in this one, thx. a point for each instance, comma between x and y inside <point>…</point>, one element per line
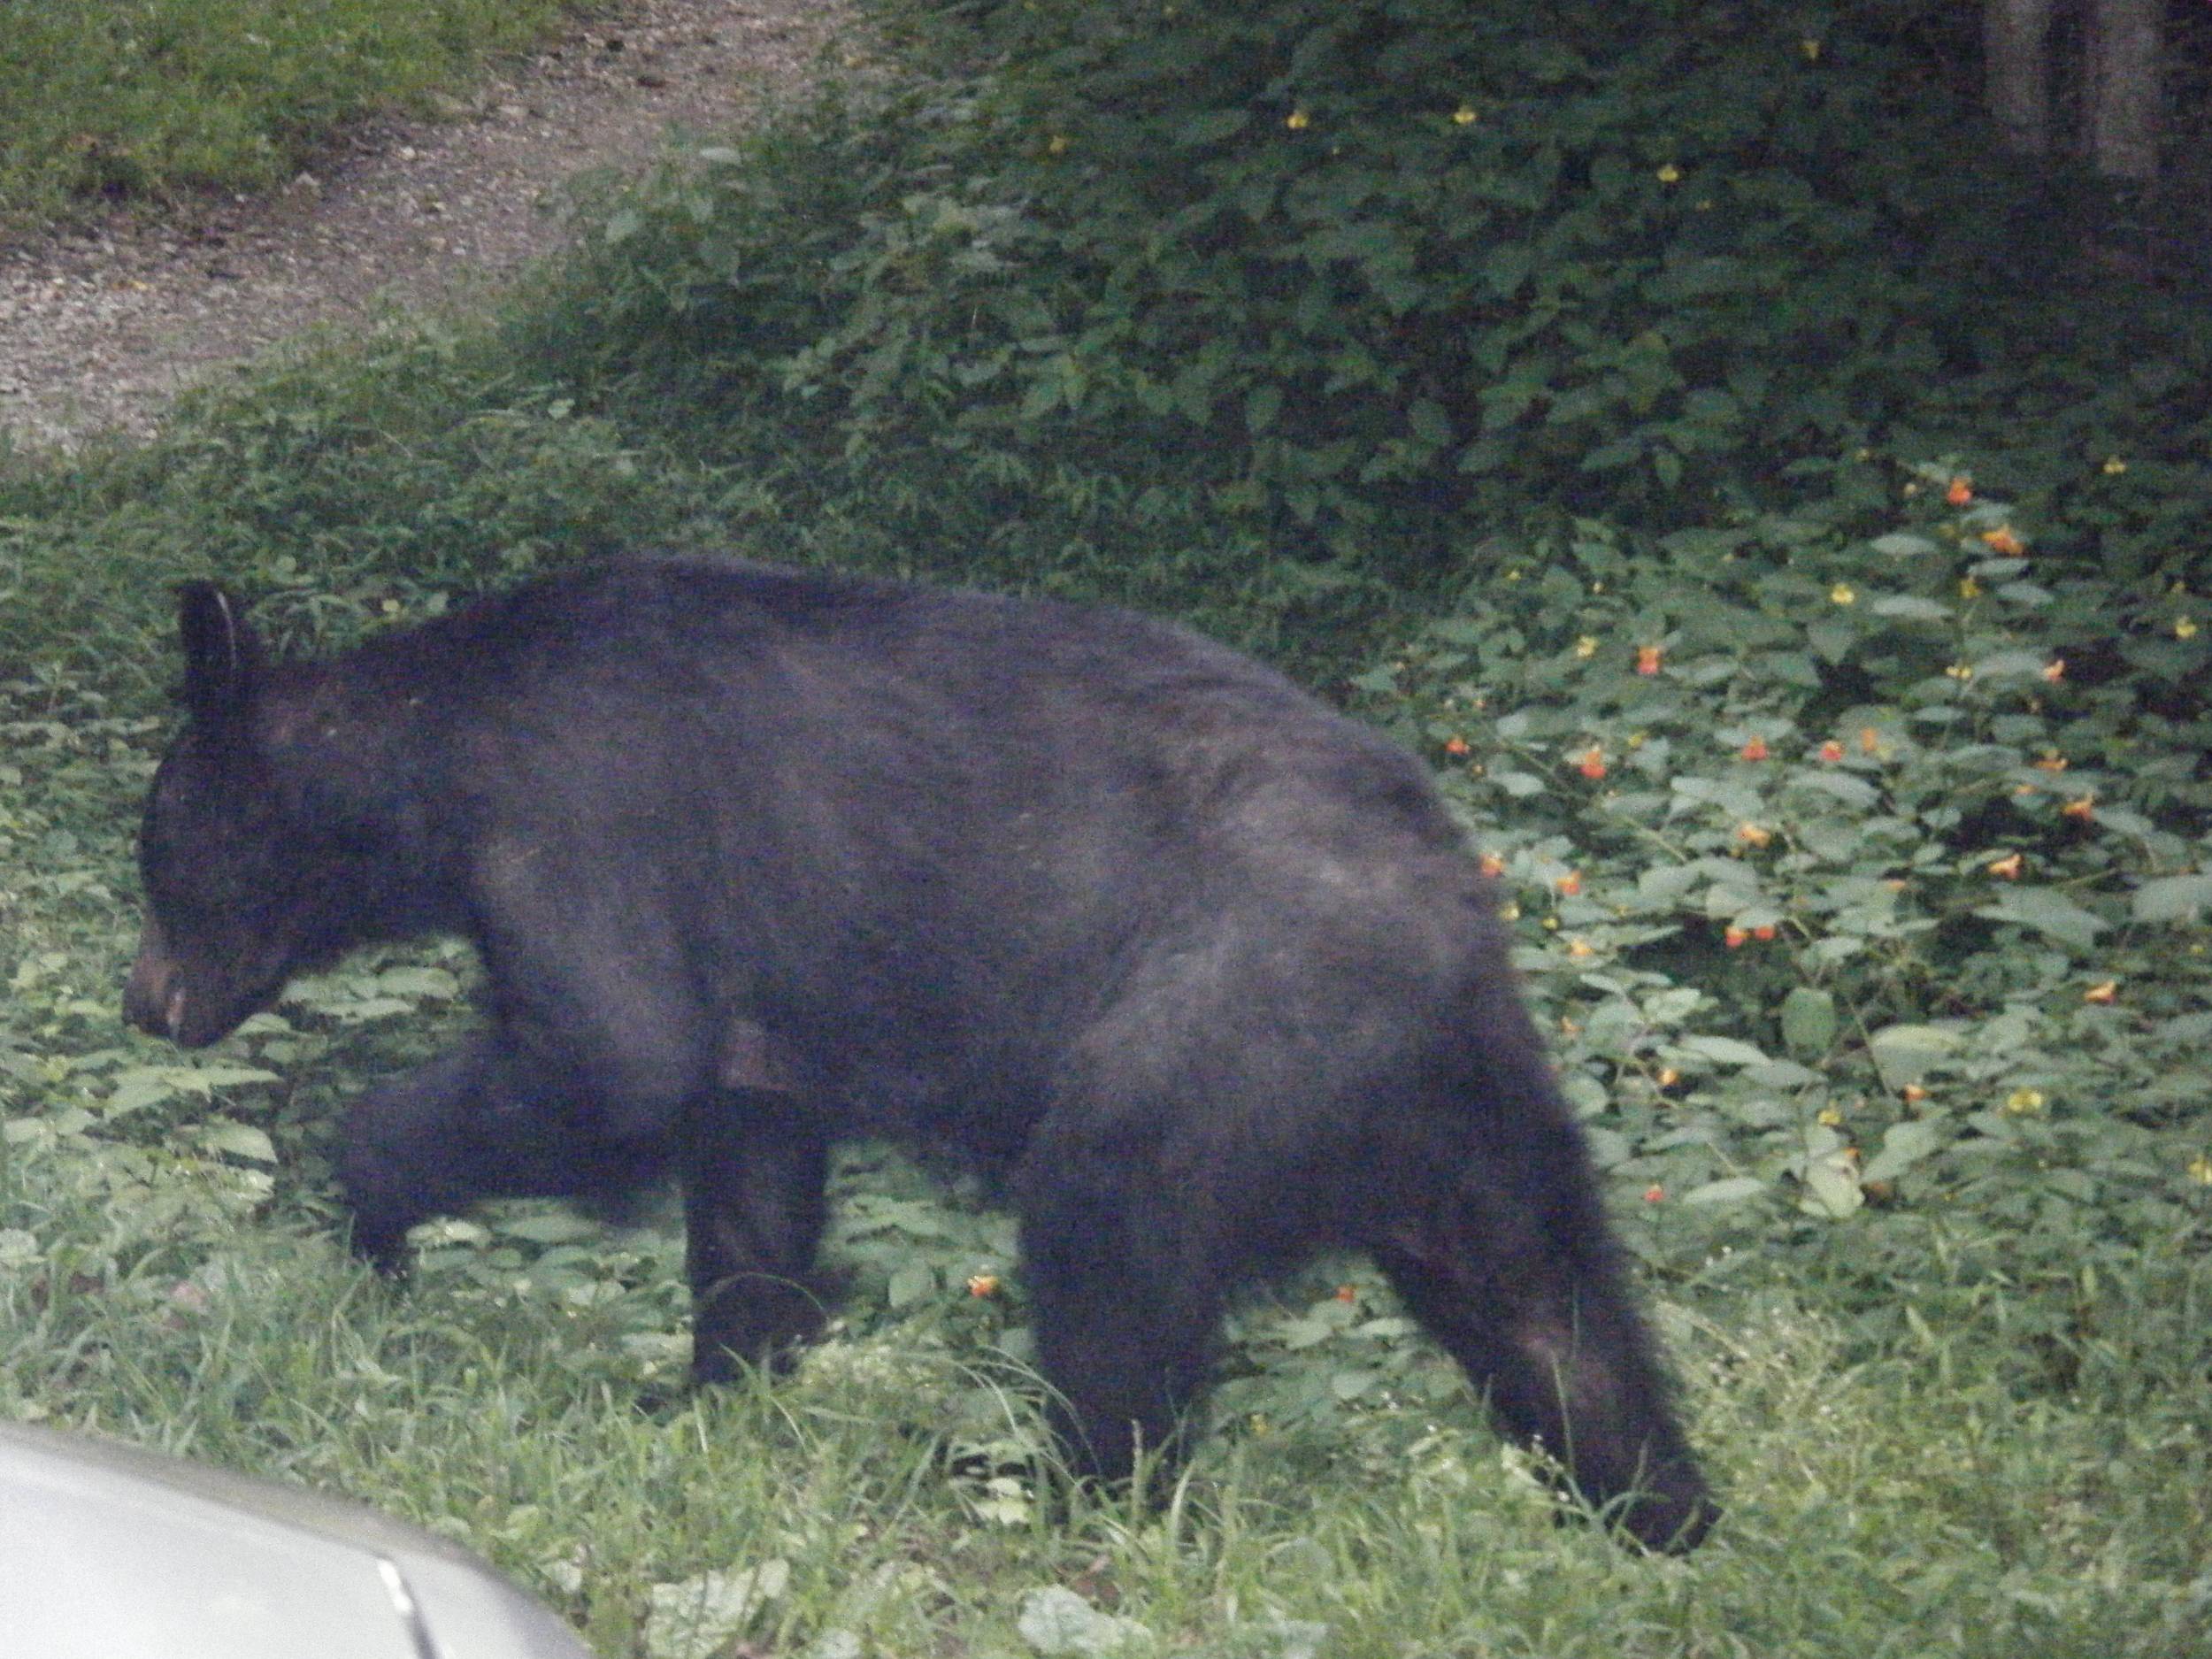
<point>232,908</point>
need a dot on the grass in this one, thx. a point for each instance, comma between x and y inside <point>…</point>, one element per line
<point>131,99</point>
<point>1902,1503</point>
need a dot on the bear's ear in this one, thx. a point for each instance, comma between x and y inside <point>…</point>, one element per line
<point>222,655</point>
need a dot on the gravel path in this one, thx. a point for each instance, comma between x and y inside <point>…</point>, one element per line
<point>100,325</point>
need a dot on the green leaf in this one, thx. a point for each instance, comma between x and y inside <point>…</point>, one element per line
<point>1809,1021</point>
<point>2048,912</point>
<point>1903,1055</point>
<point>1735,1189</point>
<point>2172,898</point>
<point>1831,1189</point>
<point>1723,1050</point>
<point>1211,127</point>
<point>1910,607</point>
<point>1904,1145</point>
<point>1056,1620</point>
<point>915,1281</point>
<point>239,1140</point>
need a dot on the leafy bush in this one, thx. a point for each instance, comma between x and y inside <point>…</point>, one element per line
<point>1302,303</point>
<point>1864,868</point>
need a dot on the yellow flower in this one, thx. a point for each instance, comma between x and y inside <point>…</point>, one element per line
<point>2113,466</point>
<point>1057,145</point>
<point>2021,1101</point>
<point>1960,672</point>
<point>1968,589</point>
<point>1463,116</point>
<point>1753,834</point>
<point>2184,629</point>
<point>1298,120</point>
<point>1586,646</point>
<point>1670,174</point>
<point>1811,48</point>
<point>1841,594</point>
<point>2200,1170</point>
<point>2105,992</point>
<point>1829,1118</point>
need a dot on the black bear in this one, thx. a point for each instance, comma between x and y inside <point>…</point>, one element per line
<point>760,859</point>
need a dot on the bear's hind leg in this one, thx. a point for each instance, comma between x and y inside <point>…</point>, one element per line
<point>1123,1309</point>
<point>1508,1265</point>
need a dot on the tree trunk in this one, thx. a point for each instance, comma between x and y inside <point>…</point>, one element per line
<point>2016,37</point>
<point>2124,90</point>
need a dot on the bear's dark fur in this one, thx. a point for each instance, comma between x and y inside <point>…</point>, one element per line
<point>757,860</point>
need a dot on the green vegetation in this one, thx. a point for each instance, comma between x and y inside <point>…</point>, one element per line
<point>1846,771</point>
<point>129,98</point>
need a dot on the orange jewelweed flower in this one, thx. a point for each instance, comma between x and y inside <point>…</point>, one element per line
<point>1869,740</point>
<point>1570,883</point>
<point>2103,993</point>
<point>1763,933</point>
<point>1961,492</point>
<point>2052,761</point>
<point>983,1285</point>
<point>1347,1293</point>
<point>1734,938</point>
<point>2001,541</point>
<point>1914,1094</point>
<point>1491,865</point>
<point>1647,659</point>
<point>1655,1194</point>
<point>1756,749</point>
<point>2054,670</point>
<point>1593,764</point>
<point>1457,745</point>
<point>1754,834</point>
<point>1831,750</point>
<point>2009,867</point>
<point>2082,807</point>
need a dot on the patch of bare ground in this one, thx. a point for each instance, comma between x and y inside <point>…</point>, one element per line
<point>102,324</point>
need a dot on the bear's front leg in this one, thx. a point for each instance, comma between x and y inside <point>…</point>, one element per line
<point>479,1123</point>
<point>754,1164</point>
